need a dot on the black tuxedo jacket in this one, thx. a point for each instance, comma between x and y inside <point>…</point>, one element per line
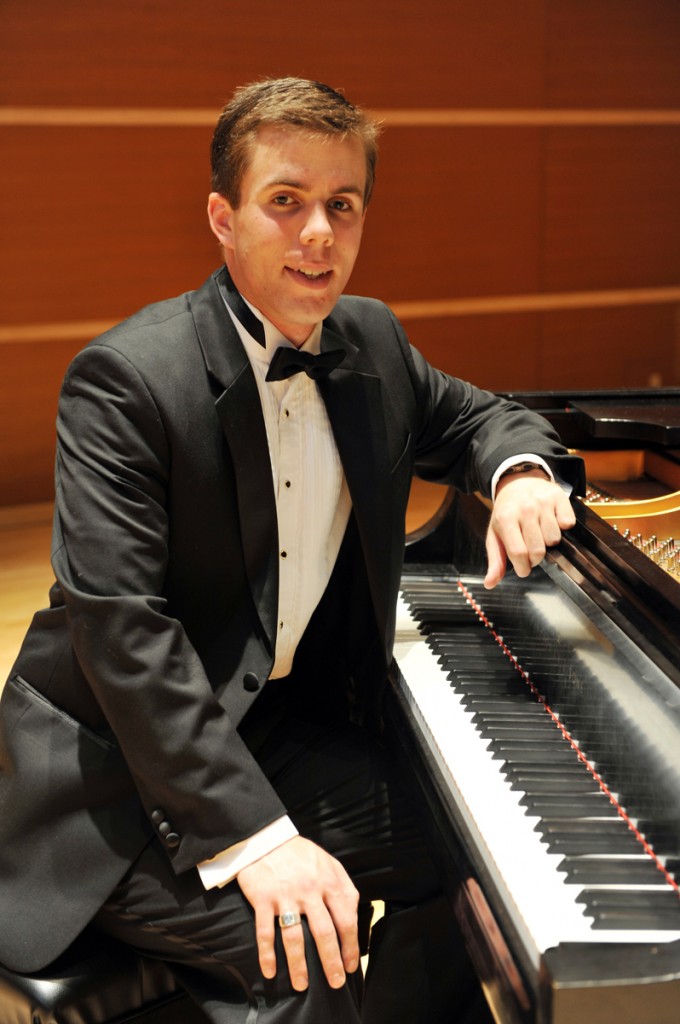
<point>120,715</point>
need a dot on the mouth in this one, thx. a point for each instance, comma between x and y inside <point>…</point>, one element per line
<point>314,277</point>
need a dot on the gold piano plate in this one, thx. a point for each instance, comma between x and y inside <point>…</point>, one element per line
<point>638,494</point>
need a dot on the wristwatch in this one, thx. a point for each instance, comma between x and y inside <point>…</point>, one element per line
<point>522,467</point>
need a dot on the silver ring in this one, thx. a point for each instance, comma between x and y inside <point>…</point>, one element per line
<point>288,919</point>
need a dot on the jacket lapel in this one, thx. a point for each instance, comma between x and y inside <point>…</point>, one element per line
<point>239,410</point>
<point>354,401</point>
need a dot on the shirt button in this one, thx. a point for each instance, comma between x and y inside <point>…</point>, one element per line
<point>287,483</point>
<point>284,554</point>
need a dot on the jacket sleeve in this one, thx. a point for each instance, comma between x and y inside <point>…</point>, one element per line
<point>110,558</point>
<point>464,433</point>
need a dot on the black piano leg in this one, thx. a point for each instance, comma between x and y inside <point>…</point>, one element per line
<point>419,970</point>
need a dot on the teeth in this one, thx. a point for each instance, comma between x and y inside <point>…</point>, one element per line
<point>313,273</point>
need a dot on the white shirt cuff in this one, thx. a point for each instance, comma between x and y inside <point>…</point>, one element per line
<point>512,461</point>
<point>225,866</point>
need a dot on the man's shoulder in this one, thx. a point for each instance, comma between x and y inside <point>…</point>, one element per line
<point>158,318</point>
<point>360,314</point>
<point>159,321</point>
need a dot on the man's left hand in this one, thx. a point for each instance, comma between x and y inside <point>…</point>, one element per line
<point>528,516</point>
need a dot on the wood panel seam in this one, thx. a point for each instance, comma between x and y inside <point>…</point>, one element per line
<point>405,310</point>
<point>87,117</point>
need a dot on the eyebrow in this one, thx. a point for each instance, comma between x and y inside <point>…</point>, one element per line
<point>301,187</point>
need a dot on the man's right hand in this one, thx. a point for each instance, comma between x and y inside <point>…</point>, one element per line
<point>300,877</point>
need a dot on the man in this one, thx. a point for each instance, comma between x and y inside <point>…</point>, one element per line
<point>191,750</point>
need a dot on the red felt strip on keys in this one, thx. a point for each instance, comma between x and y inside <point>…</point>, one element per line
<point>479,611</point>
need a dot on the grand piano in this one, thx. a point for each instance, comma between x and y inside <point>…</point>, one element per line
<point>542,720</point>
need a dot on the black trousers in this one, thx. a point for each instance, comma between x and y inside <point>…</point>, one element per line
<point>345,791</point>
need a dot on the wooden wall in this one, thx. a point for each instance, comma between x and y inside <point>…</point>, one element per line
<point>526,225</point>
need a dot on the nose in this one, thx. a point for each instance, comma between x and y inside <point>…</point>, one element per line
<point>317,226</point>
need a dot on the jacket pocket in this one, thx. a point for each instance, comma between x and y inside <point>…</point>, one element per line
<point>35,698</point>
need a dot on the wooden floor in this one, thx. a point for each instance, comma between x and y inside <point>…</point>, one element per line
<point>26,576</point>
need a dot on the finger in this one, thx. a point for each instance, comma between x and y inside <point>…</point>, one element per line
<point>327,942</point>
<point>555,518</point>
<point>496,560</point>
<point>346,922</point>
<point>564,512</point>
<point>293,941</point>
<point>518,542</point>
<point>264,936</point>
<point>531,551</point>
<point>550,529</point>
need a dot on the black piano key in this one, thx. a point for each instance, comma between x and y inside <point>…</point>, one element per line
<point>482,688</point>
<point>521,732</point>
<point>659,911</point>
<point>547,779</point>
<point>611,871</point>
<point>476,650</point>
<point>495,703</point>
<point>587,837</point>
<point>551,759</point>
<point>577,826</point>
<point>494,682</point>
<point>531,715</point>
<point>469,692</point>
<point>547,743</point>
<point>594,804</point>
<point>610,846</point>
<point>470,667</point>
<point>485,673</point>
<point>472,633</point>
<point>498,673</point>
<point>524,708</point>
<point>479,644</point>
<point>479,647</point>
<point>474,669</point>
<point>434,618</point>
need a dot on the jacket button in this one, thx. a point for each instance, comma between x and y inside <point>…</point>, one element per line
<point>157,816</point>
<point>250,682</point>
<point>164,829</point>
<point>172,839</point>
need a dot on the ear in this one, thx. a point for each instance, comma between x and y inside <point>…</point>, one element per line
<point>220,214</point>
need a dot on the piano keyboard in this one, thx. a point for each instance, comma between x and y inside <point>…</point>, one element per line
<point>495,701</point>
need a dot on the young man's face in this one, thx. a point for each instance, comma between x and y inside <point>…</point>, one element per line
<point>291,245</point>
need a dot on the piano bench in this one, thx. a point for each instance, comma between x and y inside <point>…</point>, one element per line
<point>96,981</point>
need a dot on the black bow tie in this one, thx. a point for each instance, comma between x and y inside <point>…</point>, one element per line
<point>287,361</point>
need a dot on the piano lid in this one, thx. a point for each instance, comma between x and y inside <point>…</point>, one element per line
<point>651,420</point>
<point>609,418</point>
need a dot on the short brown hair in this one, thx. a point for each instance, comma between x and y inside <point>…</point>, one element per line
<point>296,102</point>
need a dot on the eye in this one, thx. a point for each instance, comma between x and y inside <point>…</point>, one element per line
<point>341,205</point>
<point>282,199</point>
